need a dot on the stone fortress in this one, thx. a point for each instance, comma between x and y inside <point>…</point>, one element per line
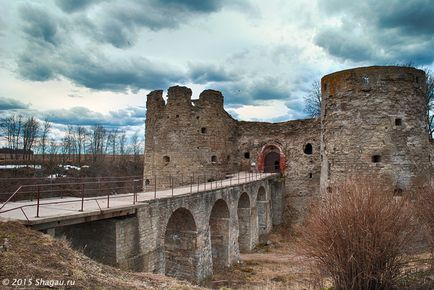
<point>372,123</point>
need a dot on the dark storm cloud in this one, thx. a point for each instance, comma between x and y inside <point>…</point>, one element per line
<point>202,74</point>
<point>84,117</point>
<point>248,93</point>
<point>119,22</point>
<point>412,17</point>
<point>11,104</point>
<point>70,6</point>
<point>380,31</point>
<point>39,25</point>
<point>94,70</point>
<point>343,43</point>
<point>51,52</point>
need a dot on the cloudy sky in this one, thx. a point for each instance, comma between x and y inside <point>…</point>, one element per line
<point>86,62</point>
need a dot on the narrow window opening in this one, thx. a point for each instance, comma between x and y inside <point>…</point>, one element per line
<point>398,122</point>
<point>166,159</point>
<point>203,130</point>
<point>214,159</point>
<point>197,117</point>
<point>376,158</point>
<point>308,149</point>
<point>397,191</point>
<point>247,155</point>
<point>147,182</point>
<point>365,80</point>
<point>177,116</point>
<point>310,175</point>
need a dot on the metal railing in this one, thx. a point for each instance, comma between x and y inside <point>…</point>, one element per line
<point>132,188</point>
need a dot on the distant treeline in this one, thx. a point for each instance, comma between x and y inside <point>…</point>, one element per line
<point>23,136</point>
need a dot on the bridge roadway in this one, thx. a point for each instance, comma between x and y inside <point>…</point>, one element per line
<point>190,235</point>
<point>67,210</point>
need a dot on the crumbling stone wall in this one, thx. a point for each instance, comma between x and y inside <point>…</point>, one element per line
<point>185,137</point>
<point>191,133</point>
<point>302,170</point>
<point>373,124</point>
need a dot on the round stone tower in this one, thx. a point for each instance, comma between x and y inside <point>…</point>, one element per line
<point>373,123</point>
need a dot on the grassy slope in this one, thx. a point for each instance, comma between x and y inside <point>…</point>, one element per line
<point>31,254</point>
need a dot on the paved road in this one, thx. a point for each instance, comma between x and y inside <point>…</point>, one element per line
<point>65,207</point>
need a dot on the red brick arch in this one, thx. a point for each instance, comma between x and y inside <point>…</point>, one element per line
<point>271,148</point>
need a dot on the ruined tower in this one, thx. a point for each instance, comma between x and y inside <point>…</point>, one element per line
<point>373,123</point>
<point>188,137</point>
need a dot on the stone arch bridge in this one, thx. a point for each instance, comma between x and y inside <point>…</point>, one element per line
<point>188,236</point>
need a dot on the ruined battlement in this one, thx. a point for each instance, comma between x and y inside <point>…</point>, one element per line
<point>179,96</point>
<point>211,98</point>
<point>179,99</point>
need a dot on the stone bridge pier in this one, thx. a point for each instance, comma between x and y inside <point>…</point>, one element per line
<point>189,237</point>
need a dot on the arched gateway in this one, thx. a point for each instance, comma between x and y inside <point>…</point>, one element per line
<point>271,159</point>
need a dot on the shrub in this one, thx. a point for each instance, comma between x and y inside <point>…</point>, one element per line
<point>357,233</point>
<point>424,211</point>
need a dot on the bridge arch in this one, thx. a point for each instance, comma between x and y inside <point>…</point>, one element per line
<point>180,245</point>
<point>219,231</point>
<point>263,209</point>
<point>244,213</point>
<point>271,159</point>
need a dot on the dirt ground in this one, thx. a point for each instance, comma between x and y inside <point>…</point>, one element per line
<point>29,258</point>
<point>280,264</point>
<point>277,264</point>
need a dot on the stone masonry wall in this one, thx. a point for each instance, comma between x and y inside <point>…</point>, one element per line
<point>185,137</point>
<point>373,124</point>
<point>302,173</point>
<point>139,242</point>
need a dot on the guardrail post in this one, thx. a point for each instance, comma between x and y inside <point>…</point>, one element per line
<point>155,187</point>
<point>99,184</point>
<point>82,197</point>
<point>171,183</point>
<point>108,199</point>
<point>134,191</point>
<point>38,195</point>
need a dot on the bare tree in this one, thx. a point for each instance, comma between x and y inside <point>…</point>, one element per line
<point>46,127</point>
<point>6,131</point>
<point>68,144</point>
<point>136,147</point>
<point>122,142</point>
<point>81,136</point>
<point>112,141</point>
<point>430,102</point>
<point>98,141</point>
<point>30,132</point>
<point>313,100</point>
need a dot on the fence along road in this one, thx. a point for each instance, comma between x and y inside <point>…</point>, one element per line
<point>65,208</point>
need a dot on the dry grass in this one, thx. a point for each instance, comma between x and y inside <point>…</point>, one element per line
<point>360,235</point>
<point>31,254</point>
